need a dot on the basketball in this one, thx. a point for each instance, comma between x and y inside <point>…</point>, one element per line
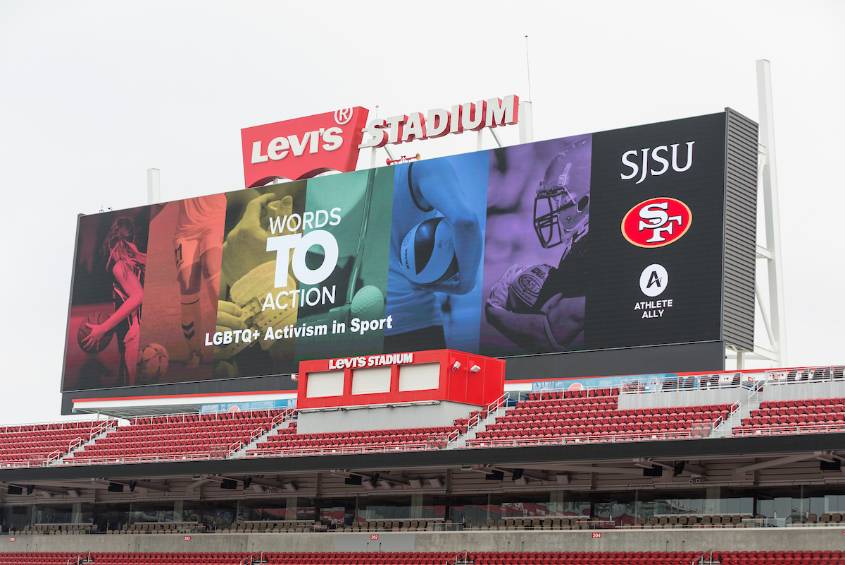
<point>427,255</point>
<point>524,291</point>
<point>84,330</point>
<point>154,361</point>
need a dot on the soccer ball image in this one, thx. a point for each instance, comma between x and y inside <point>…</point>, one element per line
<point>154,361</point>
<point>84,330</point>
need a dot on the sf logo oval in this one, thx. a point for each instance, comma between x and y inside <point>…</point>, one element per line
<point>656,222</point>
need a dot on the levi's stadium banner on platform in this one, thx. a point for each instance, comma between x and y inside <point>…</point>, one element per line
<point>604,240</point>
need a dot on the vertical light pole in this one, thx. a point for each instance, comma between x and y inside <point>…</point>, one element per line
<point>153,186</point>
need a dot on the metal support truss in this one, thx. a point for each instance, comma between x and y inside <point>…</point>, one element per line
<point>770,343</point>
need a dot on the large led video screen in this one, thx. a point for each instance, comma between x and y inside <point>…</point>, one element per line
<point>604,240</point>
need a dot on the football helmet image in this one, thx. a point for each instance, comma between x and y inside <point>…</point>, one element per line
<point>561,205</point>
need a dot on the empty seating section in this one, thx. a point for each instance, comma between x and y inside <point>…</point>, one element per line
<point>33,444</point>
<point>795,416</point>
<point>167,558</point>
<point>58,529</point>
<point>779,557</point>
<point>183,436</point>
<point>123,558</point>
<point>593,415</point>
<point>287,440</point>
<point>431,558</point>
<point>40,558</point>
<point>544,417</point>
<point>482,558</point>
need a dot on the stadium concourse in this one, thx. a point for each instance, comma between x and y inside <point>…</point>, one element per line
<point>739,467</point>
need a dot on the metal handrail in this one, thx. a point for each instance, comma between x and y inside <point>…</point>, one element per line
<point>787,428</point>
<point>587,438</point>
<point>344,450</point>
<point>258,432</point>
<point>742,378</point>
<point>72,424</point>
<point>196,416</point>
<point>128,459</point>
<point>475,419</point>
<point>236,445</point>
<point>552,394</point>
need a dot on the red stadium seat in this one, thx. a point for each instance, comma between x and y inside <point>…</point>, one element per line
<point>287,441</point>
<point>813,415</point>
<point>35,444</point>
<point>183,436</point>
<point>431,558</point>
<point>593,415</point>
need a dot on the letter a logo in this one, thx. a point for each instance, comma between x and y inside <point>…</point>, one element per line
<point>654,280</point>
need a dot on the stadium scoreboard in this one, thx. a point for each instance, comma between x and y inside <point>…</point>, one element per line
<point>568,256</point>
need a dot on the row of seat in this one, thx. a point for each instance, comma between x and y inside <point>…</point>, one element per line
<point>596,416</point>
<point>802,402</point>
<point>571,394</point>
<point>584,415</point>
<point>791,416</point>
<point>287,439</point>
<point>432,558</point>
<point>191,435</point>
<point>545,522</point>
<point>34,444</point>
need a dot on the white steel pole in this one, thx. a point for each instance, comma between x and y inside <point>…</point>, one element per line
<point>771,210</point>
<point>526,107</point>
<point>373,149</point>
<point>526,121</point>
<point>153,186</point>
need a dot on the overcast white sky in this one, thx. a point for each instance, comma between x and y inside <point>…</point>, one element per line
<point>93,93</point>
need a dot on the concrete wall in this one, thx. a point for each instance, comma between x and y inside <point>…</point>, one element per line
<point>727,539</point>
<point>362,418</point>
<point>799,391</point>
<point>682,398</point>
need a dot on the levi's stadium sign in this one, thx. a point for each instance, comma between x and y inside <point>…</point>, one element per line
<point>470,116</point>
<point>305,147</point>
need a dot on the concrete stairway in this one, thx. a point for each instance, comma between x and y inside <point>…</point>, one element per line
<point>461,441</point>
<point>105,429</point>
<point>279,423</point>
<point>746,406</point>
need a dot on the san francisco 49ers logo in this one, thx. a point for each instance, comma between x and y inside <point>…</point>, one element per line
<point>656,222</point>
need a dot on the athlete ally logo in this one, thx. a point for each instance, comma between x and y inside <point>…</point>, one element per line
<point>656,222</point>
<point>654,280</point>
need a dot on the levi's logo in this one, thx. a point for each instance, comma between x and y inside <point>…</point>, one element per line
<point>656,222</point>
<point>327,139</point>
<point>303,147</point>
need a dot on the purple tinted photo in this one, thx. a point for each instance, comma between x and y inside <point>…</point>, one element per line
<point>537,226</point>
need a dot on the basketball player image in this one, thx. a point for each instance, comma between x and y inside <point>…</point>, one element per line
<point>198,248</point>
<point>435,247</point>
<point>542,307</point>
<point>126,264</point>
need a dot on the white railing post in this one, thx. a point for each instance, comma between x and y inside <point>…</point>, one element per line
<point>153,186</point>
